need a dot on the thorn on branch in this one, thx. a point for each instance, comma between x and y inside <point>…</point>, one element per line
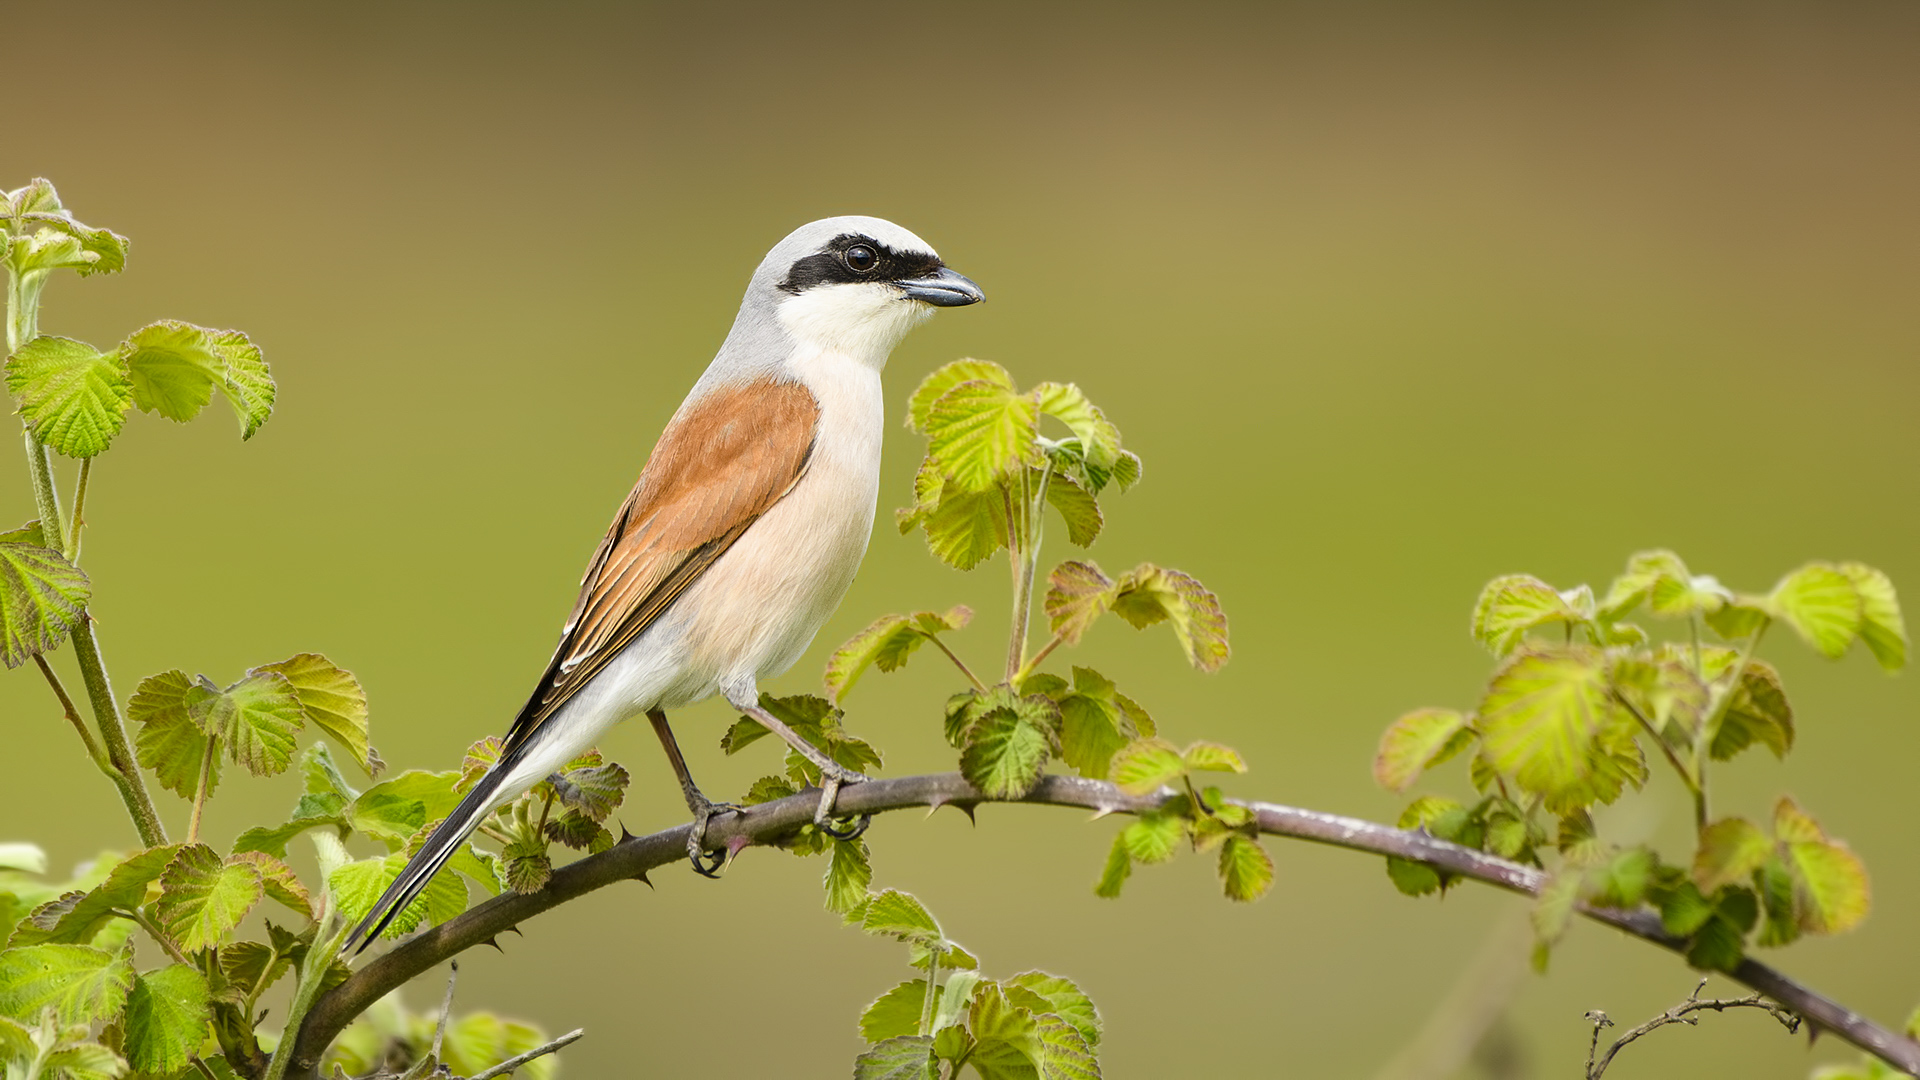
<point>1682,1013</point>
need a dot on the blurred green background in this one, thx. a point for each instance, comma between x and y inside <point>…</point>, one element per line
<point>1391,298</point>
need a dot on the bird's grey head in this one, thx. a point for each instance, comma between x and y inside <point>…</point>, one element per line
<point>852,285</point>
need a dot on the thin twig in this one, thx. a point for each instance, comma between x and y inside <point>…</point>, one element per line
<point>513,1063</point>
<point>73,714</point>
<point>1681,1014</point>
<point>959,663</point>
<point>446,1009</point>
<point>205,788</point>
<point>634,856</point>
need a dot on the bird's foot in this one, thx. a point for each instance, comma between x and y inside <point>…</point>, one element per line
<point>830,790</point>
<point>704,811</point>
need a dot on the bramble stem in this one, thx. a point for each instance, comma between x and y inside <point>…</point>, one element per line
<point>1711,726</point>
<point>959,663</point>
<point>23,323</point>
<point>1026,565</point>
<point>634,856</point>
<point>73,714</point>
<point>200,795</point>
<point>79,510</point>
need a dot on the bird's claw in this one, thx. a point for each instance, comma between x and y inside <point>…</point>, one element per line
<point>697,854</point>
<point>823,813</point>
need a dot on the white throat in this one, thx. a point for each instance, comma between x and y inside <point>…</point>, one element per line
<point>861,321</point>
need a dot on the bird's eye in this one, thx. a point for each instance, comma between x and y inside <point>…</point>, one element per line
<point>860,258</point>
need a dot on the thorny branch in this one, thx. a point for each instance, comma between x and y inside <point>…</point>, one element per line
<point>634,856</point>
<point>1679,1014</point>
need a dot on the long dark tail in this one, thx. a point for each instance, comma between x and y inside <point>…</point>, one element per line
<point>439,847</point>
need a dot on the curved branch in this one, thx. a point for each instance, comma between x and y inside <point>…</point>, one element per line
<point>635,855</point>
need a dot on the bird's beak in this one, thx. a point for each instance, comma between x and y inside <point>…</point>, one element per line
<point>943,288</point>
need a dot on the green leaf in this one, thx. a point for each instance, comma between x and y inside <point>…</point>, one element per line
<point>955,1000</point>
<point>1007,746</point>
<point>1831,894</point>
<point>1758,713</point>
<point>1065,1000</point>
<point>1246,873</point>
<point>901,916</point>
<point>72,396</point>
<point>1683,910</point>
<point>43,597</point>
<point>169,742</point>
<point>1116,871</point>
<point>1731,849</point>
<point>1076,595</point>
<point>202,898</point>
<point>81,984</point>
<point>1552,912</point>
<point>253,965</point>
<point>1822,605</point>
<point>1096,722</point>
<point>1881,626</point>
<point>593,790</point>
<point>1717,946</point>
<point>904,1057</point>
<point>332,700</point>
<point>1510,606</point>
<point>887,644</point>
<point>1099,439</point>
<point>979,431</point>
<point>167,1015</point>
<point>395,809</point>
<point>849,872</point>
<point>256,718</point>
<point>176,367</point>
<point>963,528</point>
<point>1077,508</point>
<point>1621,881</point>
<point>1213,757</point>
<point>1549,721</point>
<point>1740,619</point>
<point>1416,742</point>
<point>1153,837</point>
<point>1146,766</point>
<point>936,385</point>
<point>280,882</point>
<point>357,885</point>
<point>78,920</point>
<point>896,1012</point>
<point>272,840</point>
<point>1148,594</point>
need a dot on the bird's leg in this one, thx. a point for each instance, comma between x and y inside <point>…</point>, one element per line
<point>703,808</point>
<point>832,773</point>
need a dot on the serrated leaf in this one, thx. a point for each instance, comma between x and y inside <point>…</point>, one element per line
<point>333,701</point>
<point>167,1014</point>
<point>1213,757</point>
<point>80,984</point>
<point>252,965</point>
<point>1065,1000</point>
<point>1822,605</point>
<point>1510,606</point>
<point>900,915</point>
<point>279,880</point>
<point>169,742</point>
<point>1548,720</point>
<point>1717,946</point>
<point>175,368</point>
<point>887,644</point>
<point>904,1057</point>
<point>979,431</point>
<point>1620,881</point>
<point>1731,849</point>
<point>257,719</point>
<point>203,898</point>
<point>78,921</point>
<point>73,397</point>
<point>942,379</point>
<point>1415,743</point>
<point>1831,893</point>
<point>849,872</point>
<point>1881,625</point>
<point>1118,868</point>
<point>1246,872</point>
<point>1096,722</point>
<point>1147,765</point>
<point>43,597</point>
<point>1076,595</point>
<point>1683,910</point>
<point>896,1012</point>
<point>1153,837</point>
<point>273,840</point>
<point>1099,439</point>
<point>395,809</point>
<point>593,790</point>
<point>1077,508</point>
<point>1007,746</point>
<point>1758,713</point>
<point>964,528</point>
<point>1740,618</point>
<point>1149,594</point>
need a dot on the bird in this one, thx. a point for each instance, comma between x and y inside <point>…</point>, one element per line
<point>747,525</point>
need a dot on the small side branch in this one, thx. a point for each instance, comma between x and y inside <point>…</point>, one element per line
<point>513,1063</point>
<point>1682,1013</point>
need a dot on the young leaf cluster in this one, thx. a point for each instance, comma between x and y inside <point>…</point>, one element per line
<point>1031,1026</point>
<point>1582,697</point>
<point>849,863</point>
